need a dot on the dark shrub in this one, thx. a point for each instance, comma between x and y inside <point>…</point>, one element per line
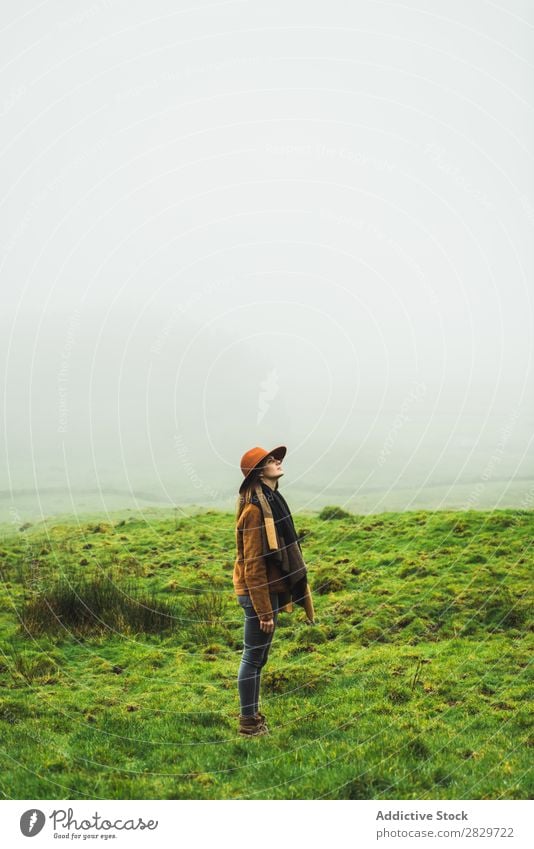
<point>94,605</point>
<point>329,513</point>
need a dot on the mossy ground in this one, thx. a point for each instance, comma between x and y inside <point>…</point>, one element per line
<point>414,683</point>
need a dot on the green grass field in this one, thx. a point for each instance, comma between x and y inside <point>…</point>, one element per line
<point>121,640</point>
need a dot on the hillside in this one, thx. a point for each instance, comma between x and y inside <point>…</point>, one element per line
<point>121,642</point>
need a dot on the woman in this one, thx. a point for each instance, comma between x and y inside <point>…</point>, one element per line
<point>269,573</point>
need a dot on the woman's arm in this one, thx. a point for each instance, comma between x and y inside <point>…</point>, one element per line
<point>255,566</point>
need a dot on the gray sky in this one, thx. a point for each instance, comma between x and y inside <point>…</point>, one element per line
<point>244,223</point>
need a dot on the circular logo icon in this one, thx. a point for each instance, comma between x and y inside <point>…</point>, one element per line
<point>31,822</point>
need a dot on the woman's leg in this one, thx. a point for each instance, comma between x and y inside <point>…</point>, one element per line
<point>255,651</point>
<point>267,647</point>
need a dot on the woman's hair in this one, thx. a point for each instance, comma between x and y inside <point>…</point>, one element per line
<point>246,496</point>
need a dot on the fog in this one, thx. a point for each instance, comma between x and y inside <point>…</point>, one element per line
<point>236,224</point>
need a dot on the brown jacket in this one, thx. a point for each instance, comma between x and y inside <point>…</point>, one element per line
<point>257,575</point>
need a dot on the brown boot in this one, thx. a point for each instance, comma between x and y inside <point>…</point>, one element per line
<point>261,719</point>
<point>251,726</point>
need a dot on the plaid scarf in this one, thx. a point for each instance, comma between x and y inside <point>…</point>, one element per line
<point>278,522</point>
<point>280,512</point>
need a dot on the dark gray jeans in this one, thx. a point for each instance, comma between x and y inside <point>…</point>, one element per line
<point>256,645</point>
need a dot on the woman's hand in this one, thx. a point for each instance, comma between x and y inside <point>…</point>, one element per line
<point>267,625</point>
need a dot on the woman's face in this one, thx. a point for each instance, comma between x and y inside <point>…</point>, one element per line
<point>272,468</point>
